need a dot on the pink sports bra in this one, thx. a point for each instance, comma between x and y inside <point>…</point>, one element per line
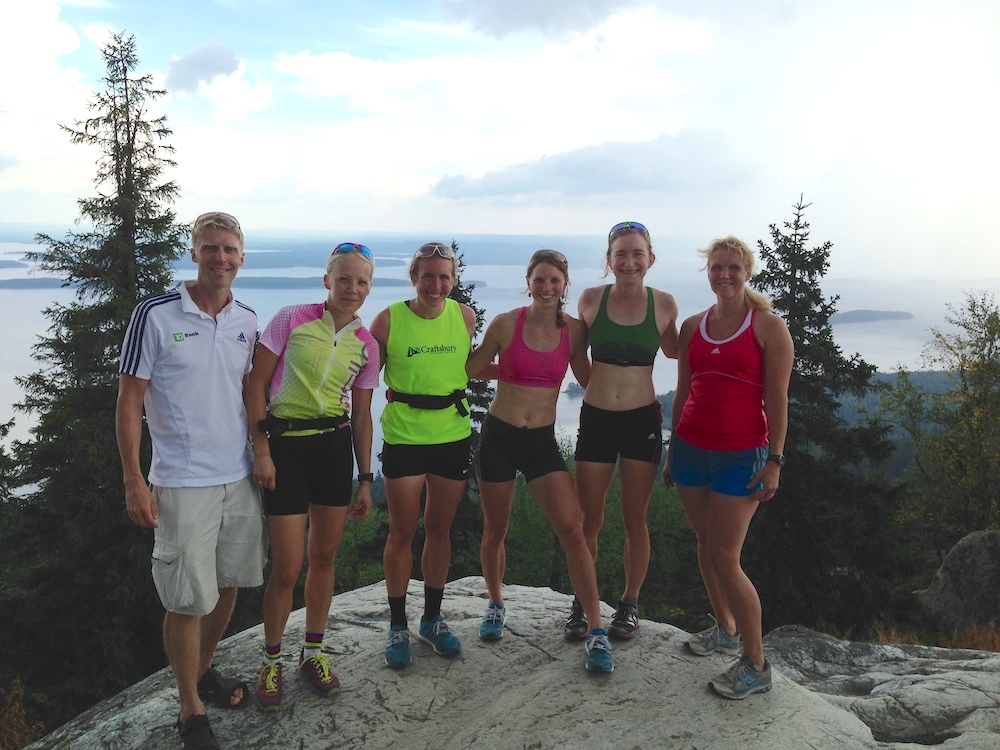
<point>520,365</point>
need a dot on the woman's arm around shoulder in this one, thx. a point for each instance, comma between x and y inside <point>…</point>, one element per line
<point>379,329</point>
<point>579,361</point>
<point>666,321</point>
<point>589,303</point>
<point>469,315</point>
<point>495,340</point>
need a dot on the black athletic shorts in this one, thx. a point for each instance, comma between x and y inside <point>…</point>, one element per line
<point>635,433</point>
<point>504,449</point>
<point>310,470</point>
<point>447,460</point>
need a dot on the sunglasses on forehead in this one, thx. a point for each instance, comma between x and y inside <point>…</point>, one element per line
<point>546,254</point>
<point>217,216</point>
<point>351,247</point>
<point>434,248</point>
<point>628,225</point>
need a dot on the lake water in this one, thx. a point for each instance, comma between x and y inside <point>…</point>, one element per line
<point>498,264</point>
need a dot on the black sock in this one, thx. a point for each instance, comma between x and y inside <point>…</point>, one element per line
<point>432,602</point>
<point>397,611</point>
<point>632,600</point>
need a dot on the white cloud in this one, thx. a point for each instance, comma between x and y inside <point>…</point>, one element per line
<point>499,18</point>
<point>202,65</point>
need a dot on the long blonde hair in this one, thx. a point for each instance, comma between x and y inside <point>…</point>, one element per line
<point>756,300</point>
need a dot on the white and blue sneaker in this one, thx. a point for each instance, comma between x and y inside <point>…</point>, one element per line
<point>436,632</point>
<point>599,652</point>
<point>397,648</point>
<point>491,628</point>
<point>742,679</point>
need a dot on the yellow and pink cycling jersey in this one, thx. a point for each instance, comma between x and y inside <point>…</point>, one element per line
<point>317,366</point>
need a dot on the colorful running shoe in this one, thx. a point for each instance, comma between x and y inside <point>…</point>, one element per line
<point>576,628</point>
<point>625,623</point>
<point>715,639</point>
<point>397,648</point>
<point>321,677</point>
<point>270,684</point>
<point>492,626</point>
<point>599,652</point>
<point>741,680</point>
<point>436,632</point>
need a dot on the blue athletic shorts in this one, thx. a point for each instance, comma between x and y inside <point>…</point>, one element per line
<point>504,449</point>
<point>724,472</point>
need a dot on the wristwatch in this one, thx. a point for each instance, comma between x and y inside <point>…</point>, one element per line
<point>777,458</point>
<point>366,477</point>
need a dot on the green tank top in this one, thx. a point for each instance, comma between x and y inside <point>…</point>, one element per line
<point>625,346</point>
<point>427,358</point>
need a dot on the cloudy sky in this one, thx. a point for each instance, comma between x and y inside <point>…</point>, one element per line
<point>530,117</point>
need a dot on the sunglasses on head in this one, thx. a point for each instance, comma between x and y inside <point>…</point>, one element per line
<point>547,254</point>
<point>628,225</point>
<point>434,248</point>
<point>214,216</point>
<point>350,247</point>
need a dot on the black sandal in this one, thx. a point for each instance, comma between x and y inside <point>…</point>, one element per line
<point>197,734</point>
<point>219,690</point>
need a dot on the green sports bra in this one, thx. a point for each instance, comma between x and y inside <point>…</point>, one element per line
<point>624,346</point>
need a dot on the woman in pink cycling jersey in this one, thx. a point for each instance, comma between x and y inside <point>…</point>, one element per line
<point>318,365</point>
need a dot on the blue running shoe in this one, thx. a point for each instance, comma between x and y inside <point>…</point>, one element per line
<point>493,620</point>
<point>435,632</point>
<point>397,648</point>
<point>741,680</point>
<point>599,652</point>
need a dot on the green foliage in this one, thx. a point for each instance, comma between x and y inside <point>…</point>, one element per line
<point>954,485</point>
<point>78,570</point>
<point>16,729</point>
<point>819,550</point>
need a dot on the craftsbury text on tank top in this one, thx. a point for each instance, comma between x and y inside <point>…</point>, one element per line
<point>427,358</point>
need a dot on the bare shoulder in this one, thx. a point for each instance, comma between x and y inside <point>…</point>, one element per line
<point>503,324</point>
<point>575,324</point>
<point>771,329</point>
<point>767,321</point>
<point>661,297</point>
<point>590,298</point>
<point>379,327</point>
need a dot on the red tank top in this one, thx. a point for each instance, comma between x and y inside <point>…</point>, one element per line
<point>724,410</point>
<point>520,365</point>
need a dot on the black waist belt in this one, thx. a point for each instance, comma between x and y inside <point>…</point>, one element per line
<point>275,426</point>
<point>429,402</point>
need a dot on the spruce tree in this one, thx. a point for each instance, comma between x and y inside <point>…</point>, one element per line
<point>80,604</point>
<point>480,391</point>
<point>818,551</point>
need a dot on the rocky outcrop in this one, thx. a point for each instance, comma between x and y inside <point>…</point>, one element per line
<point>966,589</point>
<point>530,690</point>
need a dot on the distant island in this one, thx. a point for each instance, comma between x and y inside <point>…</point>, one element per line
<point>869,316</point>
<point>573,390</point>
<point>241,282</point>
